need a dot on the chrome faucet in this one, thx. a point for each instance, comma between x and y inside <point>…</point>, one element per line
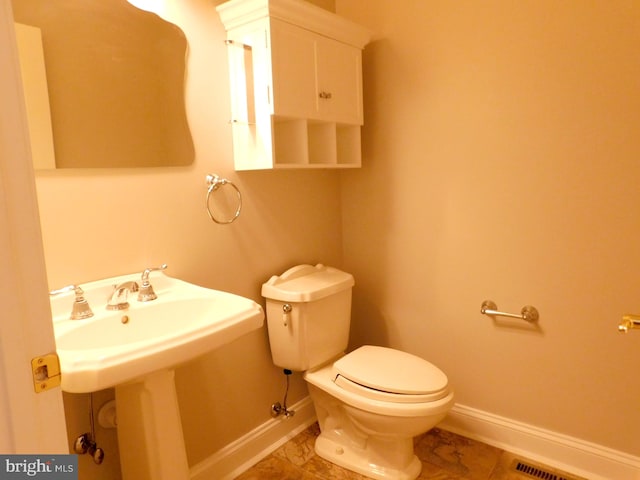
<point>118,299</point>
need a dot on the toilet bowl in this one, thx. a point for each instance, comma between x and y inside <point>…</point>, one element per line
<point>369,429</point>
<point>371,402</point>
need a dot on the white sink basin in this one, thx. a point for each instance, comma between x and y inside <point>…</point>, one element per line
<point>115,347</point>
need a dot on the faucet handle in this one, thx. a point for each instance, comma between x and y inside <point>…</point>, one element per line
<point>146,292</point>
<point>81,308</point>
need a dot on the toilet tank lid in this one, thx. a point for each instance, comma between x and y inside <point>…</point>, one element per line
<point>305,283</point>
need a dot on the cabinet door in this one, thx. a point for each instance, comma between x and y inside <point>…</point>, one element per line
<point>293,71</point>
<point>339,77</point>
<point>315,77</point>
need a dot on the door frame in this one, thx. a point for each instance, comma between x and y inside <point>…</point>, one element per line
<point>30,423</point>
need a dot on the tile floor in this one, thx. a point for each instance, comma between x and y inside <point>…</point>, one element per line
<point>444,456</point>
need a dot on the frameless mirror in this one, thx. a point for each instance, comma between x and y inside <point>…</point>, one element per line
<point>104,84</point>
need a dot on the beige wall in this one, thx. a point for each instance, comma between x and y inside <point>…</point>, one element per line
<point>100,223</point>
<point>502,161</point>
<point>499,162</point>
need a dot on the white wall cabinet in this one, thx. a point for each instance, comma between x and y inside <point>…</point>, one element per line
<point>296,85</point>
<point>315,77</point>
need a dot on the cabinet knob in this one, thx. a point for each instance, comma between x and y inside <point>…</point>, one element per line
<point>325,95</point>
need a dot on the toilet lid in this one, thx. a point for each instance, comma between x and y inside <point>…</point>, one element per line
<point>390,374</point>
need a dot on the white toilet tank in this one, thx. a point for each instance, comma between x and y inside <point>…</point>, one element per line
<point>308,315</point>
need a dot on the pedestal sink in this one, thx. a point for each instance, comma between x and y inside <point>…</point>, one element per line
<point>136,350</point>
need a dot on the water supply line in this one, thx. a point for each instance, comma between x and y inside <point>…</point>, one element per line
<point>86,443</point>
<point>278,409</point>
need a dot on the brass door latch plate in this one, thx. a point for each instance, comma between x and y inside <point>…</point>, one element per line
<point>46,372</point>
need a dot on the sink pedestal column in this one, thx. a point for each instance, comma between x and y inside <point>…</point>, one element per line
<point>149,429</point>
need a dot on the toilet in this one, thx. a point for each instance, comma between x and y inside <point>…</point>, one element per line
<point>371,402</point>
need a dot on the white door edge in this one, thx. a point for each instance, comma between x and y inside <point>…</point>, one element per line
<point>30,423</point>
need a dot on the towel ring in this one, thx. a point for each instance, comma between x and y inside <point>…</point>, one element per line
<point>214,182</point>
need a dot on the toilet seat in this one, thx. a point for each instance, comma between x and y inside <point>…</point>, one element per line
<point>324,379</point>
<point>390,375</point>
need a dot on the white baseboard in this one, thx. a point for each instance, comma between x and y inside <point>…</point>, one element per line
<point>570,454</point>
<point>553,449</point>
<point>238,456</point>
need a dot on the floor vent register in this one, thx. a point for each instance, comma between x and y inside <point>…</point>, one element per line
<point>532,471</point>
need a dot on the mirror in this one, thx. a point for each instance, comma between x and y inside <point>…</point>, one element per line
<point>114,76</point>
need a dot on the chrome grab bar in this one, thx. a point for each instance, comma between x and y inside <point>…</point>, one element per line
<point>528,312</point>
<point>629,322</point>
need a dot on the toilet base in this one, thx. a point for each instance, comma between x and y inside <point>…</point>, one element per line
<point>359,460</point>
